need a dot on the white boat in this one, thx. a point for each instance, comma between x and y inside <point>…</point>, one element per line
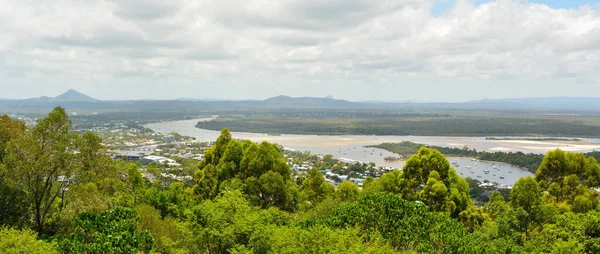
<point>469,167</point>
<point>486,171</point>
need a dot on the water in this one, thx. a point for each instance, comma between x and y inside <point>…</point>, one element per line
<point>352,147</point>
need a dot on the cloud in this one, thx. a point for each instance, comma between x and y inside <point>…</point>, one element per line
<point>259,48</point>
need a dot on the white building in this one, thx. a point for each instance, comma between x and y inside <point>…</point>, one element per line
<point>162,160</point>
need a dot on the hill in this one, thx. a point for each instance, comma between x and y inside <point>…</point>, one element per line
<point>73,95</point>
<point>283,100</point>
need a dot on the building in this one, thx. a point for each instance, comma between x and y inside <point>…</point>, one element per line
<point>161,160</point>
<point>169,138</point>
<point>128,155</point>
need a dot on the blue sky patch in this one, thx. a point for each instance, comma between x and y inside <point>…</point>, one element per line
<point>441,6</point>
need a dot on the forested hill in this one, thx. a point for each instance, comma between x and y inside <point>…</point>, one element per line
<point>62,193</point>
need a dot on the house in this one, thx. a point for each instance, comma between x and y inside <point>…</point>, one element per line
<point>169,138</point>
<point>128,155</point>
<point>161,160</point>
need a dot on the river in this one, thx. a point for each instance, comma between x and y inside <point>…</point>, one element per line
<point>352,147</point>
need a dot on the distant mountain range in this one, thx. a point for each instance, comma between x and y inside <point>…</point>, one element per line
<point>74,100</point>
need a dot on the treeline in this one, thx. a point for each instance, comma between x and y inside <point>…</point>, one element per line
<point>529,161</point>
<point>401,126</point>
<point>62,194</point>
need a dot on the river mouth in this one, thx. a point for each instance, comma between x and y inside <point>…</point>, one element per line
<point>352,147</point>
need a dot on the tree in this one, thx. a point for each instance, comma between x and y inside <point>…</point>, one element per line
<point>37,159</point>
<point>9,130</point>
<point>14,241</point>
<point>229,164</point>
<point>134,180</point>
<point>272,189</point>
<point>207,182</point>
<point>347,191</point>
<point>435,193</point>
<point>315,188</point>
<point>568,177</point>
<point>427,176</point>
<point>526,194</point>
<point>111,231</point>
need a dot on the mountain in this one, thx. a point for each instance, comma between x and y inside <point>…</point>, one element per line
<point>308,101</point>
<point>74,95</point>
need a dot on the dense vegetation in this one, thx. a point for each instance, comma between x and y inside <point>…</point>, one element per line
<point>423,126</point>
<point>62,194</point>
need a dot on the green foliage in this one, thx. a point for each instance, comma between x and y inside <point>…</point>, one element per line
<point>111,231</point>
<point>314,188</point>
<point>228,222</point>
<point>323,239</point>
<point>260,171</point>
<point>347,191</point>
<point>428,177</point>
<point>245,200</point>
<point>14,241</point>
<point>406,225</point>
<point>9,129</point>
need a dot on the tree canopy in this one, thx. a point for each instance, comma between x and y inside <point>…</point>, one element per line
<point>62,193</point>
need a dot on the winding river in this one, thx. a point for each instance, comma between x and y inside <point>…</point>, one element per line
<point>352,147</point>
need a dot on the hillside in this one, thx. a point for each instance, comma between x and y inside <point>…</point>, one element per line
<point>74,95</point>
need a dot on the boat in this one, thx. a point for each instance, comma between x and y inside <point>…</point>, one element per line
<point>495,167</point>
<point>486,171</point>
<point>469,167</point>
<point>509,171</point>
<point>473,159</point>
<point>502,177</point>
<point>475,163</point>
<point>478,176</point>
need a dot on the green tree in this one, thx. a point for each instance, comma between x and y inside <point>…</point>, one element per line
<point>134,180</point>
<point>207,182</point>
<point>315,188</point>
<point>111,231</point>
<point>347,191</point>
<point>526,194</point>
<point>427,176</point>
<point>9,129</point>
<point>14,241</point>
<point>229,165</point>
<point>37,159</point>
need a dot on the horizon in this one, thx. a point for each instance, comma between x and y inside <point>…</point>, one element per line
<point>333,97</point>
<point>390,51</point>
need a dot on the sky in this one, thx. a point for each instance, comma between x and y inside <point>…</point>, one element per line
<point>388,50</point>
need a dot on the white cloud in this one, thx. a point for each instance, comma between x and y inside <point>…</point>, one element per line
<point>357,49</point>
